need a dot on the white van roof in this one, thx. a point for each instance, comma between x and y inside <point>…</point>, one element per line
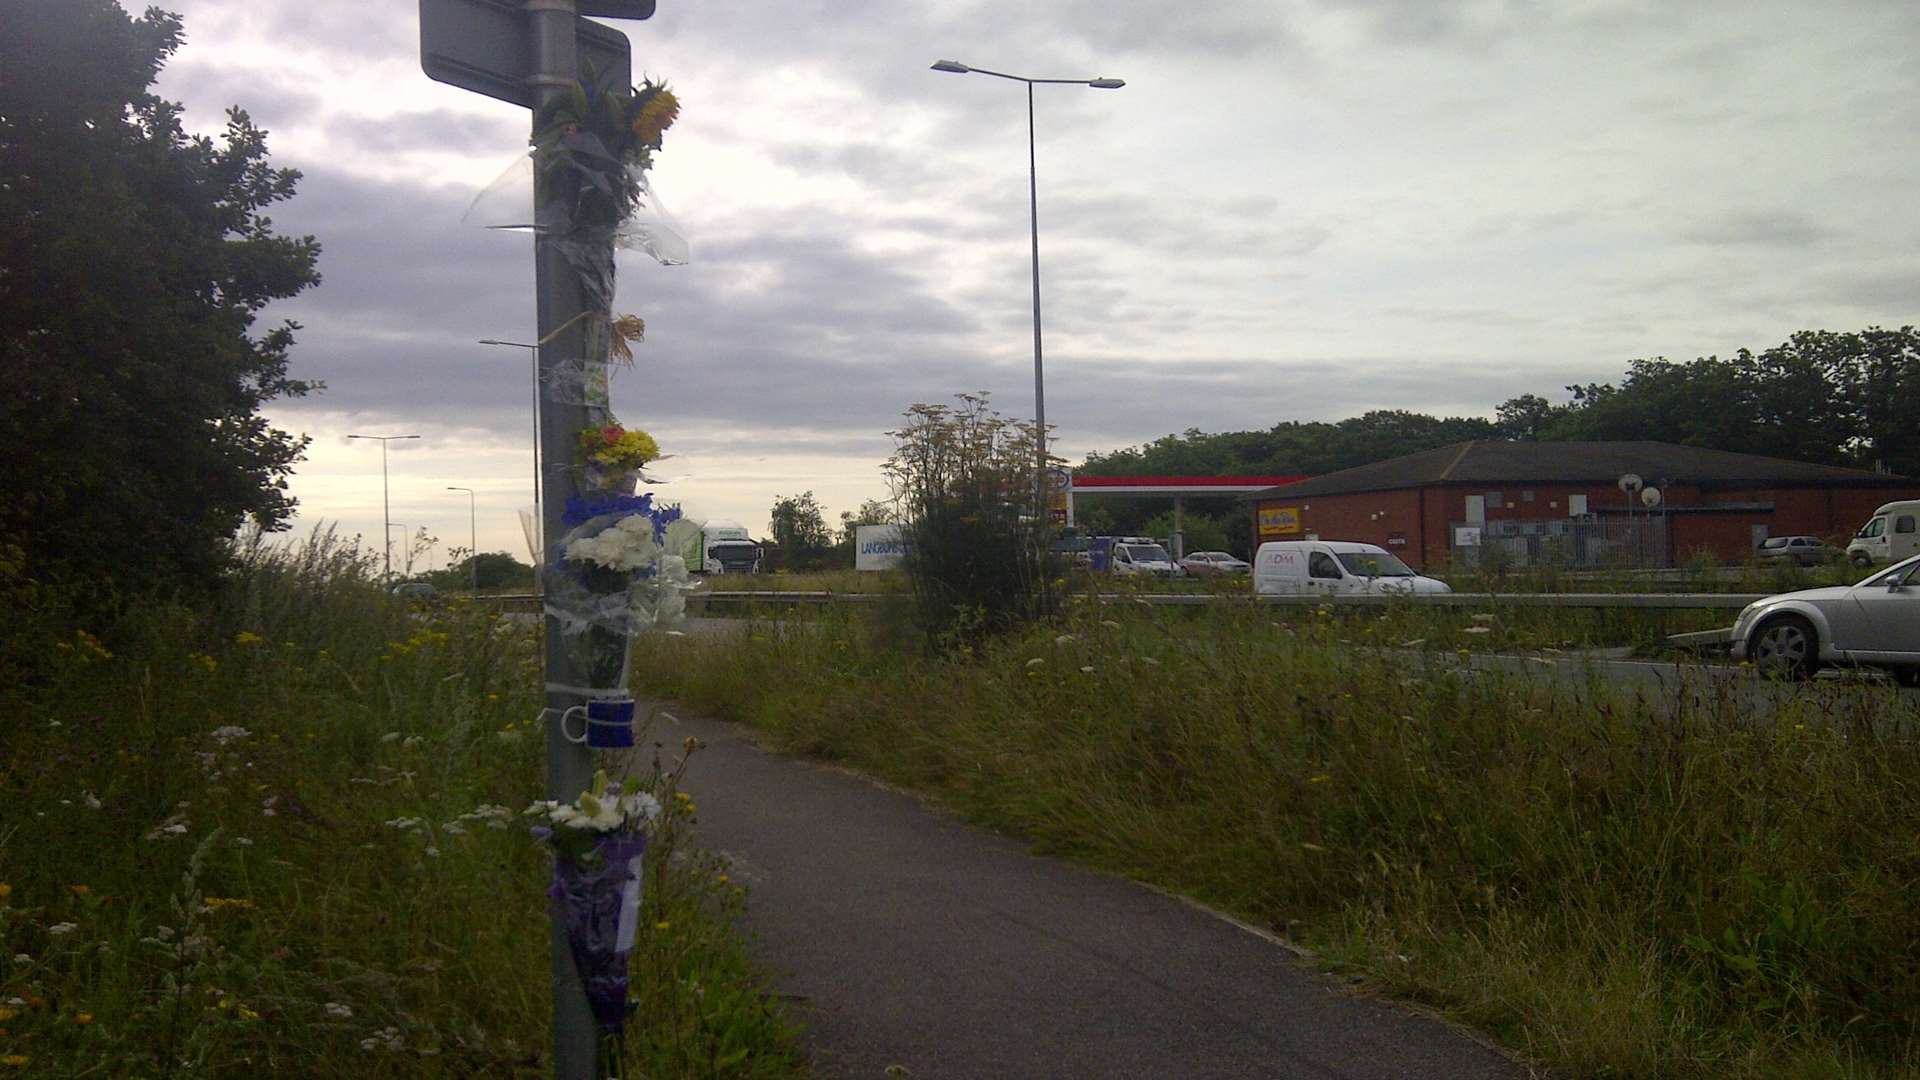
<point>1338,547</point>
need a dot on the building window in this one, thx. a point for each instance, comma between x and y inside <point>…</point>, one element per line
<point>1526,496</point>
<point>1494,501</point>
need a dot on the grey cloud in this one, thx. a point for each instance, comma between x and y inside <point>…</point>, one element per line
<point>1756,228</point>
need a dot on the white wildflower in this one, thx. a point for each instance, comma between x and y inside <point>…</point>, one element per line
<point>92,801</point>
<point>227,733</point>
<point>1087,670</point>
<point>410,742</point>
<point>391,736</point>
<point>1036,662</point>
<point>1063,639</point>
<point>1109,624</point>
<point>339,1011</point>
<point>1150,660</point>
<point>60,928</point>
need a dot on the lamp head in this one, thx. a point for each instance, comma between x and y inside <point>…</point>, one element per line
<point>954,66</point>
<point>1106,84</point>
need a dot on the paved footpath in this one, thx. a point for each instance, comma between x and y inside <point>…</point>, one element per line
<point>909,939</point>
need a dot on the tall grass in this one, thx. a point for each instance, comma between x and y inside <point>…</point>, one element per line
<point>282,837</point>
<point>1610,885</point>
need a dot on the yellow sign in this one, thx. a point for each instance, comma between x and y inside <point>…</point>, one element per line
<point>1276,520</point>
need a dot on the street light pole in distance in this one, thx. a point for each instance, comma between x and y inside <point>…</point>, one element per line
<point>1033,217</point>
<point>385,519</point>
<point>533,351</point>
<point>473,542</point>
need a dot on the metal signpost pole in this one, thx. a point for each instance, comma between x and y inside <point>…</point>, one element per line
<point>559,303</point>
<point>473,539</point>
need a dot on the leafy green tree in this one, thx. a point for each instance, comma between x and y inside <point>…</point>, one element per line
<point>799,529</point>
<point>964,477</point>
<point>133,261</point>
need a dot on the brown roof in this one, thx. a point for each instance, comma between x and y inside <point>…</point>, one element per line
<point>1489,462</point>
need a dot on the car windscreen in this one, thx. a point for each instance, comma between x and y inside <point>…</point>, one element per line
<point>1374,564</point>
<point>1874,528</point>
<point>1146,552</point>
<point>1775,542</point>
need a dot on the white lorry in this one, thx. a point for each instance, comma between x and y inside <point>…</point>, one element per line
<point>1892,534</point>
<point>723,547</point>
<point>1335,566</point>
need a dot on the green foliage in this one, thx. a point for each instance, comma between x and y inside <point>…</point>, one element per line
<point>497,570</point>
<point>799,529</point>
<point>133,262</point>
<point>965,479</point>
<point>285,840</point>
<point>1611,885</point>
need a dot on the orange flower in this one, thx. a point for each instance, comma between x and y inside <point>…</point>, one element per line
<point>611,434</point>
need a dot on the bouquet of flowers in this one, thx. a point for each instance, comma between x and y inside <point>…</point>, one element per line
<point>593,147</point>
<point>613,455</point>
<point>618,574</point>
<point>598,841</point>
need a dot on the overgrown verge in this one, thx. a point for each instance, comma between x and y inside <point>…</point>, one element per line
<point>285,839</point>
<point>1609,885</point>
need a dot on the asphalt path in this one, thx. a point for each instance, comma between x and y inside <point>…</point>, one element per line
<point>912,945</point>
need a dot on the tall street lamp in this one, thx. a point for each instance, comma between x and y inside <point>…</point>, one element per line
<point>533,353</point>
<point>1033,217</point>
<point>402,526</point>
<point>384,440</point>
<point>473,549</point>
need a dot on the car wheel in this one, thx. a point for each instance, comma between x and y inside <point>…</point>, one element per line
<point>1862,560</point>
<point>1785,646</point>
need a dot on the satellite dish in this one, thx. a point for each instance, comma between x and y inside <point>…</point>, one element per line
<point>1630,483</point>
<point>1651,497</point>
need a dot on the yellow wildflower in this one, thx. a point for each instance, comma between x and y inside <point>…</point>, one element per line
<point>6,890</point>
<point>6,1015</point>
<point>80,890</point>
<point>222,903</point>
<point>248,1014</point>
<point>247,637</point>
<point>662,925</point>
<point>83,1019</point>
<point>17,1061</point>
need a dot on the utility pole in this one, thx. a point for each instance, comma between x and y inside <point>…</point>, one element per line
<point>385,514</point>
<point>529,53</point>
<point>473,541</point>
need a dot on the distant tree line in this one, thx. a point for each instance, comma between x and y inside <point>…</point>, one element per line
<point>1850,399</point>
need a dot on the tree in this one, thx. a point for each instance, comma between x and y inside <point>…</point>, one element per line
<point>800,530</point>
<point>871,512</point>
<point>964,478</point>
<point>133,261</point>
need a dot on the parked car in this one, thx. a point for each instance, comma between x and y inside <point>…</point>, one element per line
<point>1875,624</point>
<point>1891,534</point>
<point>1335,566</point>
<point>1214,564</point>
<point>1134,555</point>
<point>1799,550</point>
<point>418,592</point>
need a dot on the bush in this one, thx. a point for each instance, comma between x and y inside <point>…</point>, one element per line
<point>966,480</point>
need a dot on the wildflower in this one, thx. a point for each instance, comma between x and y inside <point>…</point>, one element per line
<point>1321,779</point>
<point>6,890</point>
<point>339,1011</point>
<point>83,1019</point>
<point>247,637</point>
<point>248,1014</point>
<point>662,925</point>
<point>6,1015</point>
<point>1063,639</point>
<point>80,890</point>
<point>1148,660</point>
<point>59,928</point>
<point>227,733</point>
<point>1087,669</point>
<point>92,801</point>
<point>1109,624</point>
<point>223,903</point>
<point>391,736</point>
<point>15,1061</point>
<point>1036,661</point>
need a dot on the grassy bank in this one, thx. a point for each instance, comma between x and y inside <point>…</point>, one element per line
<point>285,839</point>
<point>1609,887</point>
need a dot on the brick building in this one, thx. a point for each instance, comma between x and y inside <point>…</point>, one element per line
<point>1562,501</point>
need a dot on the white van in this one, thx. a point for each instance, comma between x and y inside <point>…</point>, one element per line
<point>1143,555</point>
<point>1335,566</point>
<point>1891,535</point>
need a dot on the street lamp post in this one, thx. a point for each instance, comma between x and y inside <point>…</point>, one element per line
<point>384,543</point>
<point>1033,217</point>
<point>473,548</point>
<point>533,352</point>
<point>403,532</point>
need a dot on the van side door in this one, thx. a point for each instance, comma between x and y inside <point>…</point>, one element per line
<point>1324,573</point>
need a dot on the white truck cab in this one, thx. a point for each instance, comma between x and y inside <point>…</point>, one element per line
<point>1892,534</point>
<point>1335,566</point>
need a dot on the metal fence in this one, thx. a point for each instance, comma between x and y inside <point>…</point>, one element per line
<point>1638,542</point>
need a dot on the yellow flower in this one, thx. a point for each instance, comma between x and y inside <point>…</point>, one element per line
<point>247,637</point>
<point>17,1061</point>
<point>83,1018</point>
<point>222,903</point>
<point>6,890</point>
<point>248,1014</point>
<point>1321,779</point>
<point>661,925</point>
<point>6,1015</point>
<point>79,890</point>
<point>655,116</point>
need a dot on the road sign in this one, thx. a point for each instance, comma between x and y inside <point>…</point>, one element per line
<point>484,46</point>
<point>616,9</point>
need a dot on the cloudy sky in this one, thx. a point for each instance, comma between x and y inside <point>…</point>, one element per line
<point>1294,210</point>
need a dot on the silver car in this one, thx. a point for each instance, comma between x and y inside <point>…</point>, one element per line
<point>1875,624</point>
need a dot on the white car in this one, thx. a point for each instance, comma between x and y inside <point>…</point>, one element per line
<point>1874,624</point>
<point>1132,555</point>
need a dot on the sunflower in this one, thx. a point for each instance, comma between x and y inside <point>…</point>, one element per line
<point>655,109</point>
